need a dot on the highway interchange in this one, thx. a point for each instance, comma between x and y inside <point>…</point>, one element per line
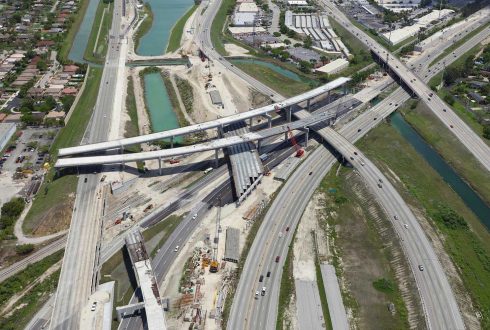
<point>290,203</point>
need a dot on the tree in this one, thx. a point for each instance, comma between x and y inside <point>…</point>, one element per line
<point>13,208</point>
<point>291,34</point>
<point>305,66</point>
<point>277,34</point>
<point>324,59</point>
<point>41,65</point>
<point>486,132</point>
<point>287,41</point>
<point>308,42</point>
<point>24,249</point>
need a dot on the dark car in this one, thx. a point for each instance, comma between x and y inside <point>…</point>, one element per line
<point>268,274</point>
<point>277,258</point>
<point>261,278</point>
<point>85,180</point>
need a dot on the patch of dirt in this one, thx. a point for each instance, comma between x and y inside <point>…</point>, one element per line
<point>55,219</point>
<point>258,99</point>
<point>235,50</point>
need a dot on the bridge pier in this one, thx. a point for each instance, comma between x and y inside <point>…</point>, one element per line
<point>306,130</point>
<point>288,114</point>
<point>308,105</point>
<point>216,158</point>
<point>259,145</point>
<point>269,119</point>
<point>220,131</point>
<point>250,123</point>
<point>171,142</point>
<point>160,165</point>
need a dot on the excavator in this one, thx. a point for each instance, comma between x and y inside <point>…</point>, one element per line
<point>213,267</point>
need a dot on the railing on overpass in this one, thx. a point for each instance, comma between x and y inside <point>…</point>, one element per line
<point>121,143</point>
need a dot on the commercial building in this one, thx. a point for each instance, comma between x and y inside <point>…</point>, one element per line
<point>244,19</point>
<point>297,3</point>
<point>7,130</point>
<point>396,36</point>
<point>238,31</point>
<point>399,5</point>
<point>248,7</point>
<point>334,66</point>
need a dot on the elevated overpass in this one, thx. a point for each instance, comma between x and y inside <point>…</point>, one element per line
<point>479,149</point>
<point>322,116</point>
<point>218,123</point>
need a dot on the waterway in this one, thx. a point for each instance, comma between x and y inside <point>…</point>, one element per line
<point>162,115</point>
<point>271,66</point>
<point>165,14</point>
<point>81,38</point>
<point>464,191</point>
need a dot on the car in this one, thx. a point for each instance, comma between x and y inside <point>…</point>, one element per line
<point>194,216</point>
<point>375,118</point>
<point>405,225</point>
<point>263,291</point>
<point>85,180</point>
<point>287,228</point>
<point>355,153</point>
<point>362,163</point>
<point>379,185</point>
<point>421,268</point>
<point>269,273</point>
<point>381,181</point>
<point>261,278</point>
<point>256,294</point>
<point>176,248</point>
<point>310,173</point>
<point>444,110</point>
<point>94,306</point>
<point>396,217</point>
<point>277,258</point>
<point>451,126</point>
<point>428,98</point>
<point>358,130</point>
<point>351,158</point>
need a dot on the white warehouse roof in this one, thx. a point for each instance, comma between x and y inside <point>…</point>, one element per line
<point>297,3</point>
<point>248,7</point>
<point>334,66</point>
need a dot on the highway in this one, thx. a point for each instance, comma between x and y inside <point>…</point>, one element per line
<point>201,147</point>
<point>76,279</point>
<point>456,125</point>
<point>286,210</point>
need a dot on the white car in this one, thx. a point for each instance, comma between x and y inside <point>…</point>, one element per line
<point>176,248</point>
<point>194,216</point>
<point>405,225</point>
<point>94,306</point>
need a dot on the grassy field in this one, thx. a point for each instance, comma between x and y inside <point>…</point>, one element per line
<point>55,192</point>
<point>321,289</point>
<point>103,20</point>
<point>449,147</point>
<point>70,35</point>
<point>455,45</point>
<point>217,37</point>
<point>30,304</point>
<point>424,189</point>
<point>178,30</point>
<point>278,82</point>
<point>144,27</point>
<point>172,94</point>
<point>158,234</point>
<point>361,254</point>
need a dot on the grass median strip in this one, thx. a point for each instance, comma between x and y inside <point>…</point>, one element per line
<point>99,35</point>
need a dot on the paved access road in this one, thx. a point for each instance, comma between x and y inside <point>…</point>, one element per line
<point>458,127</point>
<point>287,209</point>
<point>77,273</point>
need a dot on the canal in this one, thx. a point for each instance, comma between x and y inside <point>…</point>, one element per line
<point>272,66</point>
<point>464,191</point>
<point>162,115</point>
<point>165,14</point>
<point>81,38</point>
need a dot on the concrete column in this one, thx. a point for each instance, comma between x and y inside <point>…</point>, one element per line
<point>171,142</point>
<point>307,132</point>
<point>288,114</point>
<point>308,104</point>
<point>216,158</point>
<point>259,145</point>
<point>121,150</point>
<point>344,89</point>
<point>220,131</point>
<point>250,123</point>
<point>160,165</point>
<point>328,97</point>
<point>286,137</point>
<point>269,119</point>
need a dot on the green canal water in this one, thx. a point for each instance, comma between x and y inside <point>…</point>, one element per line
<point>81,38</point>
<point>465,192</point>
<point>165,14</point>
<point>271,66</point>
<point>162,115</point>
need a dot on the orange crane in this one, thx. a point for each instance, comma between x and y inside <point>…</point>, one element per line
<point>213,267</point>
<point>299,151</point>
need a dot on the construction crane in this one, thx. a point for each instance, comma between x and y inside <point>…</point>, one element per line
<point>213,268</point>
<point>299,151</point>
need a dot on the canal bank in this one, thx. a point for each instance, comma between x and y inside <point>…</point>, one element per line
<point>165,14</point>
<point>82,35</point>
<point>449,175</point>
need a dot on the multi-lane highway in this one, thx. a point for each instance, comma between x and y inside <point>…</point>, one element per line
<point>76,279</point>
<point>456,125</point>
<point>434,289</point>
